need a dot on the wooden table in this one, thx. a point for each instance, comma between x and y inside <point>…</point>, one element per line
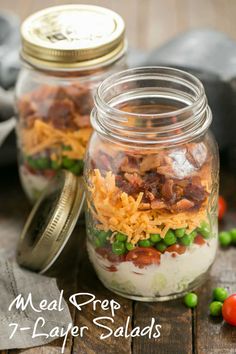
<point>183,331</point>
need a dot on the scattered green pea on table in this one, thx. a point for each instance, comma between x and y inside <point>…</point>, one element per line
<point>215,308</point>
<point>191,300</point>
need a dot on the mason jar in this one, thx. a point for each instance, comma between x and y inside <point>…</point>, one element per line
<point>67,51</point>
<point>151,174</point>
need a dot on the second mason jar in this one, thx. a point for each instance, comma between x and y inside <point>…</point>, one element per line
<point>152,184</point>
<point>67,52</point>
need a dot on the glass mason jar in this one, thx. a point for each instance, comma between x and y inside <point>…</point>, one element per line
<point>63,63</point>
<point>151,175</point>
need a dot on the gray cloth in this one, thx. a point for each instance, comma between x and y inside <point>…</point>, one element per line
<point>9,49</point>
<point>15,281</point>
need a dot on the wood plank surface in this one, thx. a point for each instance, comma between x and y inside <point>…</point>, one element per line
<point>149,24</point>
<point>213,336</point>
<point>176,328</point>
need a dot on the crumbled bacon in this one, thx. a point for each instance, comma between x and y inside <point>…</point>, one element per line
<point>125,186</point>
<point>79,95</point>
<point>130,164</point>
<point>133,178</point>
<point>104,162</point>
<point>166,170</point>
<point>144,206</point>
<point>27,107</point>
<point>158,204</point>
<point>167,189</point>
<point>61,114</point>
<point>195,192</point>
<point>82,121</point>
<point>149,195</point>
<point>183,205</point>
<point>150,162</point>
<point>66,107</point>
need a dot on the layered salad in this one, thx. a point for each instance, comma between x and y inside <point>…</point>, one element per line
<point>53,131</point>
<point>151,218</point>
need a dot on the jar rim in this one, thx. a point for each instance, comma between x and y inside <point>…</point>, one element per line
<point>194,118</point>
<point>142,70</point>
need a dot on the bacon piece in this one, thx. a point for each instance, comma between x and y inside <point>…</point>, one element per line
<point>82,121</point>
<point>61,114</point>
<point>130,165</point>
<point>166,170</point>
<point>158,204</point>
<point>150,196</point>
<point>26,108</point>
<point>103,162</point>
<point>82,98</point>
<point>125,186</point>
<point>183,205</point>
<point>167,189</point>
<point>150,162</point>
<point>133,178</point>
<point>151,178</point>
<point>179,191</point>
<point>144,206</point>
<point>195,192</point>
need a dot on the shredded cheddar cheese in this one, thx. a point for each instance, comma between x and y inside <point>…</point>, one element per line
<point>117,211</point>
<point>43,136</point>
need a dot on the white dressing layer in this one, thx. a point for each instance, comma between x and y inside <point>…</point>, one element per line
<point>173,275</point>
<point>33,184</point>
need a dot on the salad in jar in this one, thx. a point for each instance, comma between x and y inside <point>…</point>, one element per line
<point>54,128</point>
<point>64,60</point>
<point>152,184</point>
<point>150,227</point>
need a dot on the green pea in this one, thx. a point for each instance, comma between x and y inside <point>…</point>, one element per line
<point>161,246</point>
<point>129,246</point>
<point>145,243</point>
<point>220,294</point>
<point>187,240</point>
<point>155,238</point>
<point>191,300</point>
<point>43,163</point>
<point>121,237</point>
<point>103,236</point>
<point>204,229</point>
<point>55,164</point>
<point>225,238</point>
<point>98,243</point>
<point>170,238</point>
<point>192,235</point>
<point>118,248</point>
<point>32,162</point>
<point>216,308</point>
<point>233,236</point>
<point>67,162</point>
<point>180,232</point>
<point>77,168</point>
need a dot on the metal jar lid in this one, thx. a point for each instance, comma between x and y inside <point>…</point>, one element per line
<point>51,222</point>
<point>72,36</point>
